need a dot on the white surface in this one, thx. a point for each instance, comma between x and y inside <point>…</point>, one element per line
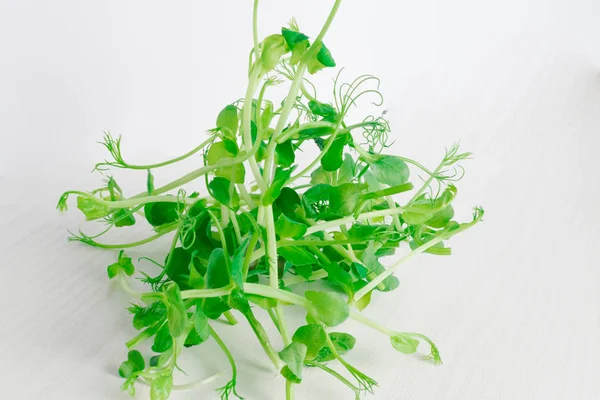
<point>515,310</point>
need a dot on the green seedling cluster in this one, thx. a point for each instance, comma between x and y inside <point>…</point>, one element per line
<point>268,222</point>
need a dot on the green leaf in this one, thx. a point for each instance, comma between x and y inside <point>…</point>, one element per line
<point>273,48</point>
<point>217,275</point>
<point>220,189</point>
<point>123,217</point>
<point>290,204</point>
<point>214,307</point>
<point>150,315</point>
<point>293,356</point>
<point>333,158</point>
<point>389,170</point>
<point>123,265</point>
<point>328,202</point>
<point>237,264</point>
<point>340,277</point>
<point>330,308</point>
<point>265,303</point>
<point>342,342</point>
<point>321,109</point>
<point>344,199</point>
<point>292,38</point>
<point>176,310</point>
<point>372,263</point>
<point>304,271</point>
<point>347,171</point>
<point>288,228</point>
<point>160,388</point>
<point>228,119</point>
<point>324,57</point>
<point>197,273</point>
<point>316,201</point>
<point>441,218</point>
<point>218,151</point>
<point>297,256</point>
<point>163,340</point>
<point>201,323</point>
<point>320,176</point>
<point>92,209</point>
<point>267,116</point>
<point>364,301</point>
<point>296,41</point>
<point>313,336</point>
<point>178,267</point>
<point>404,344</point>
<point>285,154</point>
<point>162,213</point>
<point>135,363</point>
<point>320,60</point>
<point>299,51</point>
<point>161,359</point>
<point>273,192</point>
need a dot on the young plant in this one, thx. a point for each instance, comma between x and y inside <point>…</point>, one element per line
<point>269,222</point>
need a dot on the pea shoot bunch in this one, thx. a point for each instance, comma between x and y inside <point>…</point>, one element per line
<point>263,222</point>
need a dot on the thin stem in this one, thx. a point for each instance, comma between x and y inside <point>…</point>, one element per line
<point>263,339</point>
<point>226,351</point>
<point>230,318</point>
<point>161,164</point>
<point>255,31</point>
<point>287,135</point>
<point>246,196</point>
<point>247,119</point>
<point>206,293</point>
<point>281,318</point>
<point>124,245</point>
<point>134,201</point>
<point>271,247</point>
<point>293,280</point>
<point>289,390</point>
<point>350,219</point>
<point>359,317</point>
<point>335,374</point>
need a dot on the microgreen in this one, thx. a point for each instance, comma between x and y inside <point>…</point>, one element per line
<point>298,191</point>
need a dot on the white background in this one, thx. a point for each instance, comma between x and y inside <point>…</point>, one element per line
<point>515,310</point>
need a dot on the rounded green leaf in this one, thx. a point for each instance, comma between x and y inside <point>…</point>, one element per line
<point>313,336</point>
<point>404,344</point>
<point>330,308</point>
<point>163,340</point>
<point>162,213</point>
<point>294,355</point>
<point>389,170</point>
<point>228,119</point>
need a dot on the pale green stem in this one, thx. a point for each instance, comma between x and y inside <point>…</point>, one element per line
<point>349,219</point>
<point>294,280</point>
<point>246,196</point>
<point>255,30</point>
<point>134,201</point>
<point>247,119</point>
<point>289,390</point>
<point>284,331</point>
<point>271,247</point>
<point>161,164</point>
<point>130,245</point>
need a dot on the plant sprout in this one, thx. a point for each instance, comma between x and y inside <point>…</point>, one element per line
<point>270,222</point>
